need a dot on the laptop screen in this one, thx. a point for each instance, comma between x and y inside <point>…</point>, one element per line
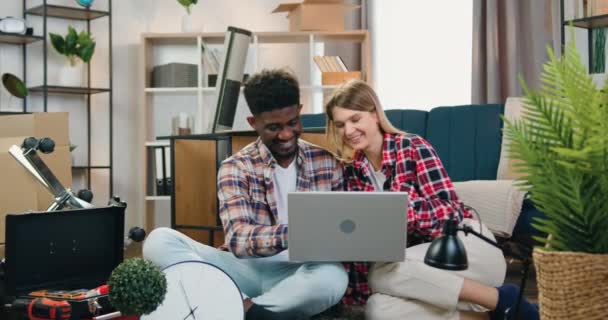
<point>63,249</point>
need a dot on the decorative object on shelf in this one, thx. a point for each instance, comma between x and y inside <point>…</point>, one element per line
<point>562,143</point>
<point>14,85</point>
<point>137,287</point>
<point>13,25</point>
<point>174,75</point>
<point>182,124</point>
<point>187,24</point>
<point>85,3</point>
<point>598,64</point>
<point>74,45</point>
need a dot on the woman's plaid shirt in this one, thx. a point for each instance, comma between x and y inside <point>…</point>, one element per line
<point>410,165</point>
<point>246,195</point>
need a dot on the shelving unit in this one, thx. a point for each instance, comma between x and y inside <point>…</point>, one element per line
<point>161,48</point>
<point>588,23</point>
<point>46,11</point>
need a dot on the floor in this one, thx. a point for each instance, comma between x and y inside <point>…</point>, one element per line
<point>514,275</point>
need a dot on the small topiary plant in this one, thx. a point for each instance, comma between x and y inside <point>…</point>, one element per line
<point>137,287</point>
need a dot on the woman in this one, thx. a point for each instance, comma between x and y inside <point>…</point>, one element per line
<point>379,157</point>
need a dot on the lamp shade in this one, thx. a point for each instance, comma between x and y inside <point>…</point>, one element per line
<point>447,251</point>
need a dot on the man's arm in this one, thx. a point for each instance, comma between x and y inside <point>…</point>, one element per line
<point>244,236</point>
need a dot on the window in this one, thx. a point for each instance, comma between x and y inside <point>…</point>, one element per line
<point>421,52</point>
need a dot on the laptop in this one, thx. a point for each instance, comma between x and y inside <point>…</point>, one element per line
<point>347,226</point>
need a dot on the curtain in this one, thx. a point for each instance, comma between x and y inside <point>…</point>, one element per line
<point>510,39</point>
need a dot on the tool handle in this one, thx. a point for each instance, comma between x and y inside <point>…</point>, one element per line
<point>47,309</point>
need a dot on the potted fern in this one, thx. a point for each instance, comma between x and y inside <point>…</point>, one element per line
<point>561,142</point>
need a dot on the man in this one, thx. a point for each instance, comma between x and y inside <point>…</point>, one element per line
<point>252,190</point>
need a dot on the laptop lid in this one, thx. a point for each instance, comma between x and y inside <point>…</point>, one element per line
<point>62,249</point>
<point>347,226</point>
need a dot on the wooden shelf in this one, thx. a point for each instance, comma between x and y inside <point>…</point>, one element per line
<point>67,90</point>
<point>89,167</point>
<point>65,12</point>
<point>170,90</point>
<point>589,22</point>
<point>163,143</point>
<point>12,38</point>
<point>262,37</point>
<point>158,198</point>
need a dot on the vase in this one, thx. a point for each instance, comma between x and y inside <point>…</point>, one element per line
<point>85,3</point>
<point>187,25</point>
<point>571,285</point>
<point>69,75</point>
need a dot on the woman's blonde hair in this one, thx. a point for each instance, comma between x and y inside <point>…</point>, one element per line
<point>359,96</point>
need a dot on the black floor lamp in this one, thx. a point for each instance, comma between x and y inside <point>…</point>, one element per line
<point>448,252</point>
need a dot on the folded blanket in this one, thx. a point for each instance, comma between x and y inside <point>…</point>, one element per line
<point>498,202</point>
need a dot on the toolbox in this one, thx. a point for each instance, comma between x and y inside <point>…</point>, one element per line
<point>62,254</point>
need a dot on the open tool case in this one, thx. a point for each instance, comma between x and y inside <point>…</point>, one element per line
<point>63,251</point>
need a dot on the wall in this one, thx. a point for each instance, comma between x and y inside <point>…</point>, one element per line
<point>422,52</point>
<point>130,19</point>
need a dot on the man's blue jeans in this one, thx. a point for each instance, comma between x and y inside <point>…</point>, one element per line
<point>278,285</point>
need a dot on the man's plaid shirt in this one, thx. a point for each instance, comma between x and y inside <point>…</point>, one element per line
<point>410,165</point>
<point>246,195</point>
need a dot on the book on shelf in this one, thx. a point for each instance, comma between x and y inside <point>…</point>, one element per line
<point>330,63</point>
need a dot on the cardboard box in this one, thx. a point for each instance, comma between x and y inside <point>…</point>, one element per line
<point>316,15</point>
<point>19,190</point>
<point>336,78</point>
<point>597,8</point>
<point>39,125</point>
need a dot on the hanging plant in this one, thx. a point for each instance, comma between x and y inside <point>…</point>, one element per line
<point>187,4</point>
<point>74,45</point>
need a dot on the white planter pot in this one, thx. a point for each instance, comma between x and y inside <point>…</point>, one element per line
<point>187,24</point>
<point>70,76</point>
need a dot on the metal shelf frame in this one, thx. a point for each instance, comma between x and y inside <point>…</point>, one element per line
<point>46,11</point>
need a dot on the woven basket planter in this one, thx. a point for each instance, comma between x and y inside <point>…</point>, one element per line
<point>572,285</point>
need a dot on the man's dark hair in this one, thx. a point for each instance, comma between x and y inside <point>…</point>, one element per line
<point>271,89</point>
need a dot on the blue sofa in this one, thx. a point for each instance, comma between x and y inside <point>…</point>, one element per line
<point>468,140</point>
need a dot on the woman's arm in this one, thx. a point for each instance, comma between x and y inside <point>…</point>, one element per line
<point>434,199</point>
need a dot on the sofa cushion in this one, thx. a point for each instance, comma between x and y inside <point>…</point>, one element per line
<point>514,108</point>
<point>316,120</point>
<point>467,139</point>
<point>409,120</point>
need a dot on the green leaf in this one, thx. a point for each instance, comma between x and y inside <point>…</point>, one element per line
<point>86,52</point>
<point>57,42</point>
<point>561,141</point>
<point>71,40</point>
<point>21,88</point>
